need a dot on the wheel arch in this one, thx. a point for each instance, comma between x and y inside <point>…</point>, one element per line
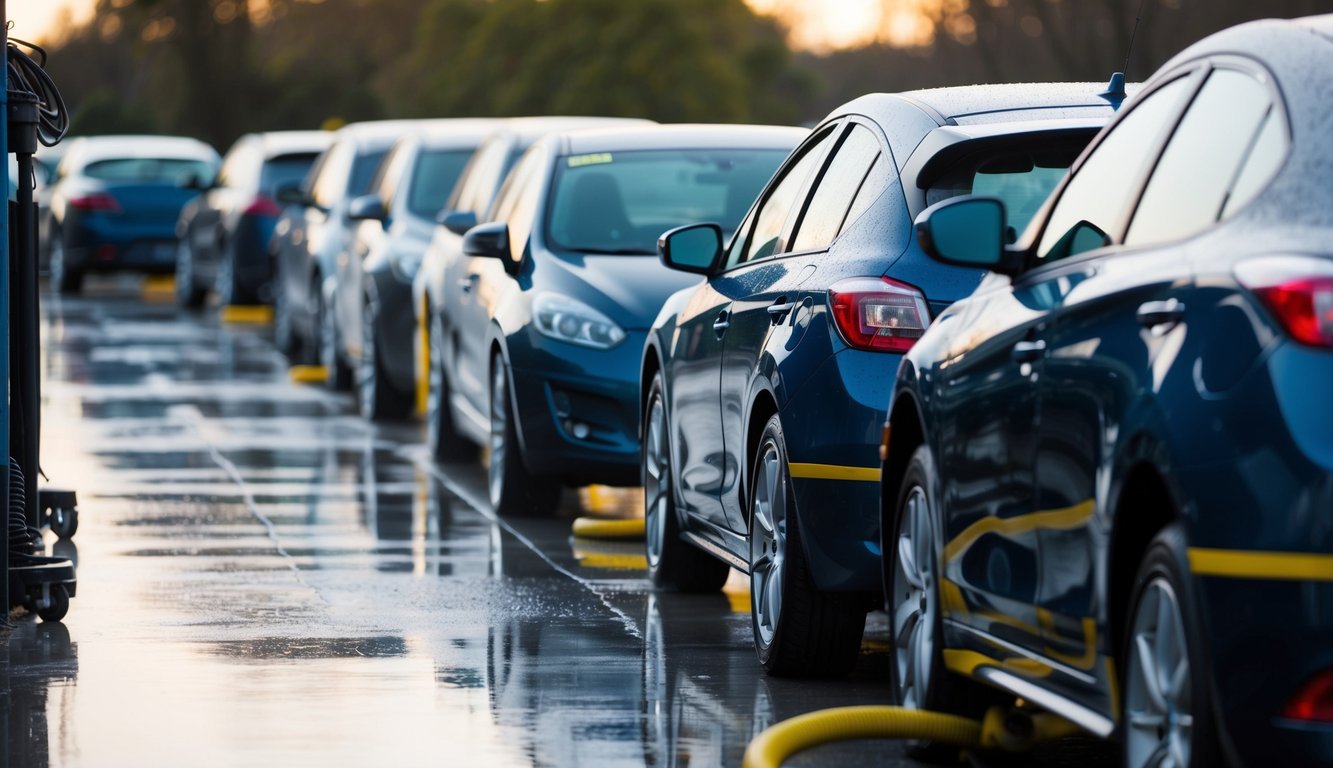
<point>1143,507</point>
<point>648,368</point>
<point>763,407</point>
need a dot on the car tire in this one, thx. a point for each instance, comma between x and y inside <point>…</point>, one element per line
<point>338,375</point>
<point>513,490</point>
<point>446,444</point>
<point>188,294</point>
<point>67,280</point>
<point>799,631</point>
<point>672,561</point>
<point>285,337</point>
<point>912,586</point>
<point>378,398</point>
<point>1167,705</point>
<point>228,284</point>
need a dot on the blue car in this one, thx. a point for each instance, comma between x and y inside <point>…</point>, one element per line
<point>114,204</point>
<point>760,384</point>
<point>561,286</point>
<point>1108,475</point>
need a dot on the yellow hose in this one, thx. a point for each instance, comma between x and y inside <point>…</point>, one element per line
<point>1011,730</point>
<point>781,741</point>
<point>594,528</point>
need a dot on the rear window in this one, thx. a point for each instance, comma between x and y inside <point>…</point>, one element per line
<point>148,170</point>
<point>1021,177</point>
<point>433,179</point>
<point>620,202</point>
<point>285,170</point>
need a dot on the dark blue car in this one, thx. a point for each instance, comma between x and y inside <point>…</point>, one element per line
<point>763,387</point>
<point>115,201</point>
<point>559,289</point>
<point>1108,479</point>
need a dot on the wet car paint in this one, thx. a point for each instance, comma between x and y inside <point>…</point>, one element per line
<point>268,579</point>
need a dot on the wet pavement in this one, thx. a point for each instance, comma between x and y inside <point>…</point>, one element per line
<point>267,579</point>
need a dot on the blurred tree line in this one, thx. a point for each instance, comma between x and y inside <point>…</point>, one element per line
<point>217,68</point>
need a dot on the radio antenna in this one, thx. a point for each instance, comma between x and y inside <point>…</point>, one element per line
<point>1133,33</point>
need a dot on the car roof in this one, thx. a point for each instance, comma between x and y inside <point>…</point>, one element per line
<point>88,149</point>
<point>462,133</point>
<point>526,130</point>
<point>970,103</point>
<point>682,136</point>
<point>274,143</point>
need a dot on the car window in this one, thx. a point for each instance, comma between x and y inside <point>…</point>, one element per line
<point>762,240</point>
<point>1188,188</point>
<point>620,202</point>
<point>147,170</point>
<point>285,170</point>
<point>363,170</point>
<point>331,180</point>
<point>1021,173</point>
<point>832,199</point>
<point>1262,162</point>
<point>433,177</point>
<point>473,193</point>
<point>1092,207</point>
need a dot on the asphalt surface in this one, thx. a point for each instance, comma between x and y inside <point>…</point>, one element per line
<point>267,579</point>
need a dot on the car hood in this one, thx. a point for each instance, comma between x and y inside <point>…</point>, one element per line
<point>628,289</point>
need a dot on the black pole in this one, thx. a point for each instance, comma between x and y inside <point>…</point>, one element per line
<point>4,311</point>
<point>24,333</point>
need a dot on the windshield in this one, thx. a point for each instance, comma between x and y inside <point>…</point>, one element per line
<point>148,170</point>
<point>620,202</point>
<point>433,179</point>
<point>363,171</point>
<point>285,170</point>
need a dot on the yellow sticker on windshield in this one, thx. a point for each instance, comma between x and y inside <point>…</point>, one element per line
<point>597,158</point>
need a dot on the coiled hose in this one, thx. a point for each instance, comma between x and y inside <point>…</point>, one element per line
<point>23,538</point>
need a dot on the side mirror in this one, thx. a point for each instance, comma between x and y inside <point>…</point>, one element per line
<point>490,241</point>
<point>458,222</point>
<point>692,248</point>
<point>367,207</point>
<point>967,232</point>
<point>290,194</point>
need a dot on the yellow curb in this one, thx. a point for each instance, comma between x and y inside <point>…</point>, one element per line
<point>236,314</point>
<point>308,374</point>
<point>592,528</point>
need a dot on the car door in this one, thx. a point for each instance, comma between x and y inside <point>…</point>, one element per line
<point>751,275</point>
<point>1116,336</point>
<point>208,232</point>
<point>366,236</point>
<point>989,393</point>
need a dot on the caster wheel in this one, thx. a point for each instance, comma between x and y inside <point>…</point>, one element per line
<point>56,606</point>
<point>64,522</point>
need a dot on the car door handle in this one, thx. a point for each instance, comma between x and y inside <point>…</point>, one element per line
<point>722,323</point>
<point>1154,313</point>
<point>1029,351</point>
<point>779,310</point>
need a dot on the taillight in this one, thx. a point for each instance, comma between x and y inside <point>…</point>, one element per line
<point>1298,290</point>
<point>262,205</point>
<point>1314,700</point>
<point>97,201</point>
<point>878,313</point>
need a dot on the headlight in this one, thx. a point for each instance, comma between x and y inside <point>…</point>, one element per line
<point>566,319</point>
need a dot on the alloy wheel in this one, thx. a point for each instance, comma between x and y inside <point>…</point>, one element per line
<point>768,544</point>
<point>913,600</point>
<point>184,272</point>
<point>367,380</point>
<point>435,390</point>
<point>1158,707</point>
<point>656,481</point>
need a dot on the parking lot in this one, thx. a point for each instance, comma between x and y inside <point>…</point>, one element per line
<point>266,578</point>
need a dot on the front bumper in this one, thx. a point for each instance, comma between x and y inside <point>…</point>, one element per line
<point>578,408</point>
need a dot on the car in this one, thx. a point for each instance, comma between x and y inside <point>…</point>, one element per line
<point>757,383</point>
<point>1108,473</point>
<point>114,204</point>
<point>542,351</point>
<point>394,224</point>
<point>470,198</point>
<point>312,232</point>
<point>224,232</point>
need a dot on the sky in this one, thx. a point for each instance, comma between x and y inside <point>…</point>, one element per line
<point>817,24</point>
